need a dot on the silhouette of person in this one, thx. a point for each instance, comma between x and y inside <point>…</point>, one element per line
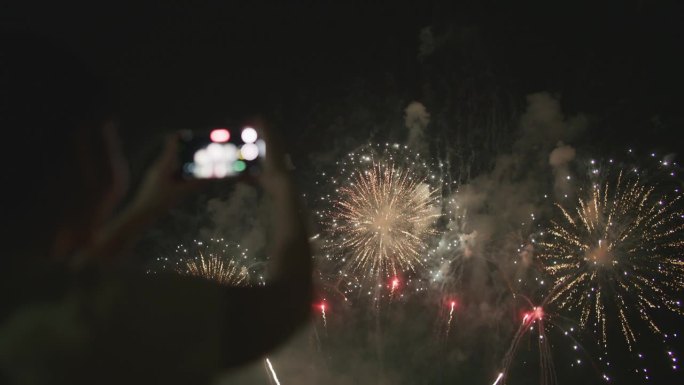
<point>69,312</point>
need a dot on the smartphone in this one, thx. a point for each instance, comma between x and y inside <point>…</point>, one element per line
<point>221,153</point>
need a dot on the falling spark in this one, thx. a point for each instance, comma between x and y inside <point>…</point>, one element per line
<point>325,321</point>
<point>273,373</point>
<point>498,378</point>
<point>619,248</point>
<point>394,285</point>
<point>536,316</point>
<point>451,315</point>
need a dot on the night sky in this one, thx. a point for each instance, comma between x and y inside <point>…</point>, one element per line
<point>333,76</point>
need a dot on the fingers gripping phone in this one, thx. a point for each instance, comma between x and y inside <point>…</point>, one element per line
<point>221,153</point>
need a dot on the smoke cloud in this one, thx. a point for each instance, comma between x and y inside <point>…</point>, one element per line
<point>240,217</point>
<point>492,215</point>
<point>416,119</point>
<point>427,43</point>
<point>501,201</point>
<point>559,160</point>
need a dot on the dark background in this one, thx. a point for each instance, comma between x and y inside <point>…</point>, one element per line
<point>332,74</point>
<point>179,63</point>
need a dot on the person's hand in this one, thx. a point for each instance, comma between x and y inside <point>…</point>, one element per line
<point>162,187</point>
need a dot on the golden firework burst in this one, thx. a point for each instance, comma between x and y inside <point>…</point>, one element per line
<point>618,254</point>
<point>215,268</point>
<point>383,218</point>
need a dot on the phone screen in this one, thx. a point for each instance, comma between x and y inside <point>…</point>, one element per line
<point>221,153</point>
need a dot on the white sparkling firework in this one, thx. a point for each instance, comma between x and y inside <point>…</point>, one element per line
<point>382,214</point>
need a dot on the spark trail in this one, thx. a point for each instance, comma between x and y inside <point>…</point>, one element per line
<point>535,317</point>
<point>498,378</point>
<point>325,321</point>
<point>272,371</point>
<point>394,286</point>
<point>451,316</point>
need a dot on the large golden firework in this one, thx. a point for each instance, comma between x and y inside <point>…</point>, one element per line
<point>617,255</point>
<point>383,217</point>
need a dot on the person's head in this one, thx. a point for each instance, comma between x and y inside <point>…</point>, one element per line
<point>62,165</point>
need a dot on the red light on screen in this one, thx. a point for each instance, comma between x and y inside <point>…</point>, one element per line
<point>219,135</point>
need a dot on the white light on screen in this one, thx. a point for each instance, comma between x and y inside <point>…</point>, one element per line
<point>203,171</point>
<point>216,152</point>
<point>230,151</point>
<point>202,157</point>
<point>249,151</point>
<point>249,135</point>
<point>220,170</point>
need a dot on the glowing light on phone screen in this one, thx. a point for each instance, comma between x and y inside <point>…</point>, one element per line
<point>249,135</point>
<point>219,135</point>
<point>239,166</point>
<point>249,151</point>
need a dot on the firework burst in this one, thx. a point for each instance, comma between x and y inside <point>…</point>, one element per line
<point>617,255</point>
<point>382,216</point>
<point>215,260</point>
<point>215,268</point>
<point>385,216</point>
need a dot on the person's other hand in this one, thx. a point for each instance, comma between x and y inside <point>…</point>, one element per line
<point>162,186</point>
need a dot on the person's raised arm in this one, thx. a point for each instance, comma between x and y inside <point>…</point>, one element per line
<point>291,256</point>
<point>273,312</point>
<point>246,322</point>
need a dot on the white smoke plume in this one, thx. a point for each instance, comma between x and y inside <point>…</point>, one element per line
<point>416,119</point>
<point>494,213</point>
<point>240,217</point>
<point>559,159</point>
